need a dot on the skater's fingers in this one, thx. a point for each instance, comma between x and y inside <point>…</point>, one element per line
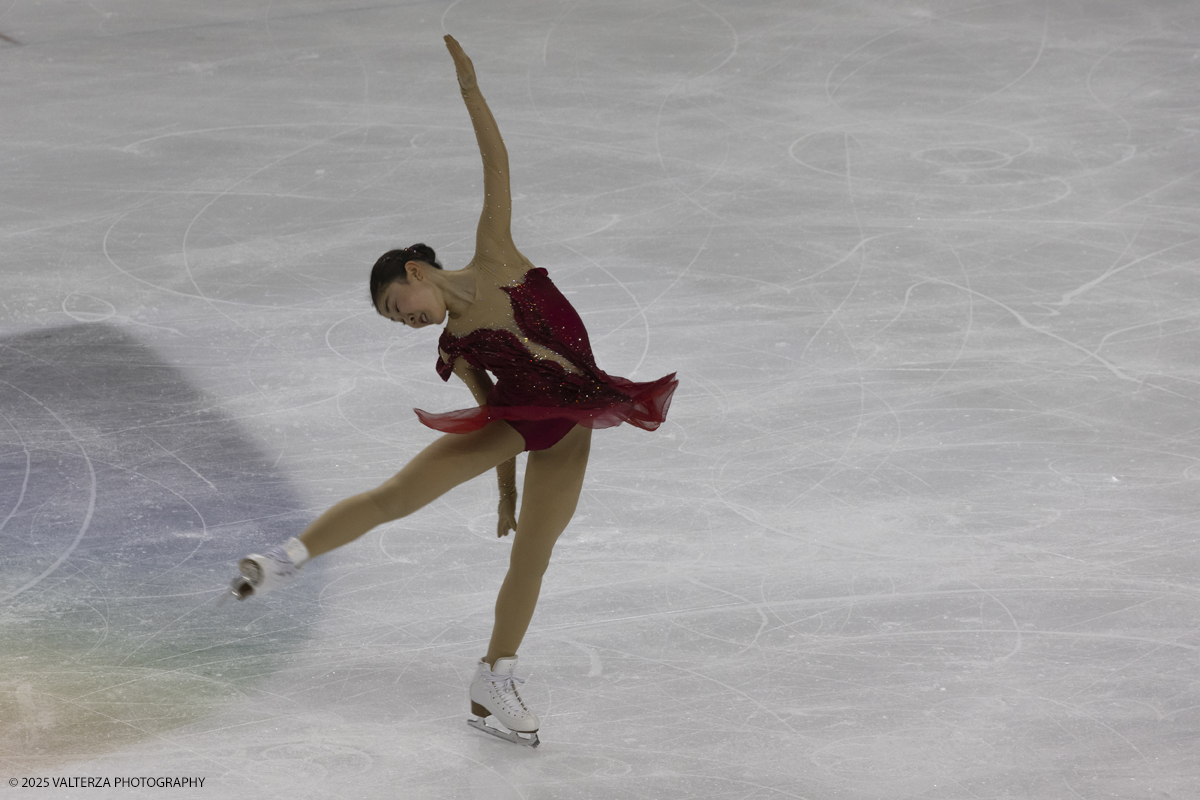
<point>456,49</point>
<point>507,511</point>
<point>462,62</point>
<point>508,522</point>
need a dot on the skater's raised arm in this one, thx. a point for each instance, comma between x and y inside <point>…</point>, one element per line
<point>494,248</point>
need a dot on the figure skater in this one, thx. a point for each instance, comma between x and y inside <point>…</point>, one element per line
<point>504,316</point>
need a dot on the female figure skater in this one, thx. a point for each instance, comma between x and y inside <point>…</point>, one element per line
<point>502,315</point>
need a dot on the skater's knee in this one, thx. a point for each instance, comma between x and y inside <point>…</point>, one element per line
<point>388,500</point>
<point>529,562</point>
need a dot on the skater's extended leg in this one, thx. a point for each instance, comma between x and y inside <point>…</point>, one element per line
<point>450,460</point>
<point>553,480</point>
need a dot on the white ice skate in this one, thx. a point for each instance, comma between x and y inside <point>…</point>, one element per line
<point>263,573</point>
<point>494,693</point>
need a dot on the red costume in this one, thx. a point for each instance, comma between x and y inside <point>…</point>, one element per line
<point>540,398</point>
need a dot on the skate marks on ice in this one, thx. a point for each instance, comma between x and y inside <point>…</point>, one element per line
<point>125,497</point>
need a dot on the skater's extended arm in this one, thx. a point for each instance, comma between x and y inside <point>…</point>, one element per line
<point>494,248</point>
<point>480,384</point>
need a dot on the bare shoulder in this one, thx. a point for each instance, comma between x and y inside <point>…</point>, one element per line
<point>506,268</point>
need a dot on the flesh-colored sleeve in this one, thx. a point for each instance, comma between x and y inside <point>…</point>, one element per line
<point>477,380</point>
<point>494,248</point>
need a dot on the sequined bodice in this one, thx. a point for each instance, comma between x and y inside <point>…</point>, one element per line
<point>542,358</point>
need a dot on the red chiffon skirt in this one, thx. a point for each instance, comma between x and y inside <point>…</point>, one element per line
<point>643,405</point>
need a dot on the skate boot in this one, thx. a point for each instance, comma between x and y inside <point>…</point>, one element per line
<point>494,693</point>
<point>262,573</point>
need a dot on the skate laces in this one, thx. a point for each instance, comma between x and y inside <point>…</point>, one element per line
<point>279,556</point>
<point>507,687</point>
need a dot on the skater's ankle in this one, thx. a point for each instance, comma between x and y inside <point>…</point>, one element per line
<point>296,551</point>
<point>491,660</point>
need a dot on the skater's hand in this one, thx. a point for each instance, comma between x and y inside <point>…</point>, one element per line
<point>462,64</point>
<point>508,514</point>
<point>506,481</point>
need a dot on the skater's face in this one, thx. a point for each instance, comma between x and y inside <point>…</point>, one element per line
<point>417,303</point>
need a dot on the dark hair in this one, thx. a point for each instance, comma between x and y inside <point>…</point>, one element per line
<point>390,267</point>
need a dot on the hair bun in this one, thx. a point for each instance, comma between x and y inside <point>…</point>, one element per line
<point>426,254</point>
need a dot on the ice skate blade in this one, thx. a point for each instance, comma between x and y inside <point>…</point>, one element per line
<point>239,589</point>
<point>527,740</point>
<point>251,571</point>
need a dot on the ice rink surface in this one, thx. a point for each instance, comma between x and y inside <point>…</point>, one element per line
<point>922,522</point>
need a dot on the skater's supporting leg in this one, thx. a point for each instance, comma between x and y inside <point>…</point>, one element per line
<point>553,480</point>
<point>451,459</point>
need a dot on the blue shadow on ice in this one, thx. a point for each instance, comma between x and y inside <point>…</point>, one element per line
<point>126,496</point>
